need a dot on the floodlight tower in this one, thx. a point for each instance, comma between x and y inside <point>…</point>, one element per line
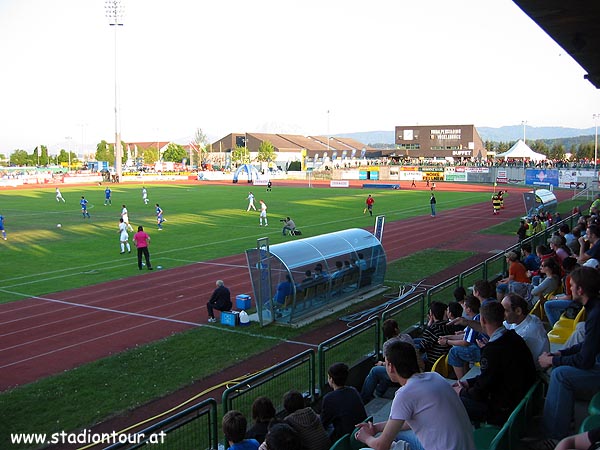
<point>114,11</point>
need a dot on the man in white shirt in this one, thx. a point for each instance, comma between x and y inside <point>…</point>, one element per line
<point>417,408</point>
<point>528,326</point>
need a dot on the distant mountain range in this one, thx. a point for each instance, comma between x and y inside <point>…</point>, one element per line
<point>502,134</point>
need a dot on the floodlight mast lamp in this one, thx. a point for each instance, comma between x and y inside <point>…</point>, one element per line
<point>114,12</point>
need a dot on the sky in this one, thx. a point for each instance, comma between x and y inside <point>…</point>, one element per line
<point>310,67</point>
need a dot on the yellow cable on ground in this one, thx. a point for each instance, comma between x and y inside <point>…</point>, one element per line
<point>191,399</point>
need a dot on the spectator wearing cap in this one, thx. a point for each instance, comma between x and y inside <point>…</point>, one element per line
<point>516,272</point>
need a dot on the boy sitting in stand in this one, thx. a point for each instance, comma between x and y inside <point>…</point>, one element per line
<point>234,428</point>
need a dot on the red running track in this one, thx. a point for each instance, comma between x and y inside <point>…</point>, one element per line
<point>47,335</point>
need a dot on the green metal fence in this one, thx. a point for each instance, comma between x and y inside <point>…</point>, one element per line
<point>443,292</point>
<point>351,347</point>
<point>193,428</point>
<point>296,373</point>
<point>408,313</point>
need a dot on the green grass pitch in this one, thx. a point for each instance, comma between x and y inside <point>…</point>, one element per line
<point>203,222</point>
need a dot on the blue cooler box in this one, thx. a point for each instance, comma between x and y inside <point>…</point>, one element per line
<point>231,318</point>
<point>243,302</point>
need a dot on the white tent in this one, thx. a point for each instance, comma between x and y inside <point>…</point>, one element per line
<point>521,151</point>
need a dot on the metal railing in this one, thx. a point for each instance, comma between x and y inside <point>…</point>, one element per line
<point>296,373</point>
<point>193,428</point>
<point>351,347</point>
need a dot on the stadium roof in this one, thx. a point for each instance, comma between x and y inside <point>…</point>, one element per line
<point>574,26</point>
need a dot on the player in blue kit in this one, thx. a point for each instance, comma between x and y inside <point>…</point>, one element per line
<point>83,202</point>
<point>2,227</point>
<point>159,217</point>
<point>107,194</point>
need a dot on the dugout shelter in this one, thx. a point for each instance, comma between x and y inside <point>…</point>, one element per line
<point>327,288</point>
<point>540,201</point>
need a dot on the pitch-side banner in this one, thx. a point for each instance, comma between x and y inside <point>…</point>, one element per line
<point>542,176</point>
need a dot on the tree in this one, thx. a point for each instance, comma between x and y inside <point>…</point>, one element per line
<point>19,158</point>
<point>240,155</point>
<point>174,152</point>
<point>149,155</point>
<point>557,151</point>
<point>585,151</point>
<point>105,152</point>
<point>200,146</point>
<point>266,152</point>
<point>44,157</point>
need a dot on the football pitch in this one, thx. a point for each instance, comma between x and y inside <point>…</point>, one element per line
<point>203,222</point>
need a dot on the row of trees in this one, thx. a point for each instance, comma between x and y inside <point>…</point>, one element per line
<point>106,152</point>
<point>40,157</point>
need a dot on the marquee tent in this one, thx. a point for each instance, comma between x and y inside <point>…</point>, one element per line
<point>522,151</point>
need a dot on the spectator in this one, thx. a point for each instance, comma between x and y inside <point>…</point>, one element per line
<point>378,381</point>
<point>551,284</point>
<point>423,400</point>
<point>588,440</point>
<point>305,421</point>
<point>574,245</point>
<point>516,272</point>
<point>556,305</point>
<point>522,231</point>
<point>528,326</point>
<point>234,428</point>
<point>565,232</point>
<point>543,253</point>
<point>559,245</point>
<point>455,310</point>
<point>576,367</point>
<point>342,408</point>
<point>263,412</point>
<point>592,236</point>
<point>437,326</point>
<point>219,300</point>
<point>464,346</point>
<point>507,371</point>
<point>459,294</point>
<point>530,260</point>
<point>281,436</point>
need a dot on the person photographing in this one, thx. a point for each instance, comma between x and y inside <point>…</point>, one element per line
<point>288,225</point>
